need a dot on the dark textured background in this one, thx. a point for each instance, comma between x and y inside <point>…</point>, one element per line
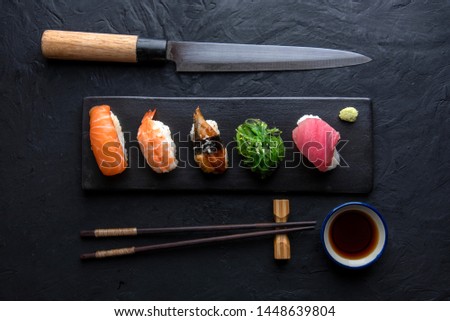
<point>43,206</point>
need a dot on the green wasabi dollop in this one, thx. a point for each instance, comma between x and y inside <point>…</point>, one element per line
<point>349,114</point>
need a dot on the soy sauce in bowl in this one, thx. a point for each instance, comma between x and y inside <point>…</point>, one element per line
<point>353,234</point>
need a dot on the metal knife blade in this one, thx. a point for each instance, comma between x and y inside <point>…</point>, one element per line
<point>224,57</point>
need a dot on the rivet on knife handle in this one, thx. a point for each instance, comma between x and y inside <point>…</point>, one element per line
<point>70,45</point>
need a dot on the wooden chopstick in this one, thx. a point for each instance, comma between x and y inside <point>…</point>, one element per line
<point>170,245</point>
<point>132,231</point>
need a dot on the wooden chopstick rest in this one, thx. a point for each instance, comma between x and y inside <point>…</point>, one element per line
<point>281,244</point>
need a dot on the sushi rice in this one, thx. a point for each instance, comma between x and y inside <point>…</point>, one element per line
<point>119,132</point>
<point>211,123</point>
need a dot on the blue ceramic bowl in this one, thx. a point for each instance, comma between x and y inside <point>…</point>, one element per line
<point>370,257</point>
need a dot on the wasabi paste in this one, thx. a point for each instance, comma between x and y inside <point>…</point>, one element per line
<point>348,114</point>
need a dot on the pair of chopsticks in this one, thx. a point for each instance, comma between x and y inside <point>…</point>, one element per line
<point>273,228</point>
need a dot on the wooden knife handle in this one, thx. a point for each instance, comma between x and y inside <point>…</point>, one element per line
<point>70,45</point>
<point>281,244</point>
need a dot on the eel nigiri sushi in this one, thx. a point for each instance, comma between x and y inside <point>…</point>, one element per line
<point>107,140</point>
<point>209,152</point>
<point>317,141</point>
<point>156,144</point>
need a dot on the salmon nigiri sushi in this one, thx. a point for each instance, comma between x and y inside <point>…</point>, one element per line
<point>107,140</point>
<point>317,141</point>
<point>156,144</point>
<point>209,152</point>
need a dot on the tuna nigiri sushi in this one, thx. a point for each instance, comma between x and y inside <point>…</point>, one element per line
<point>156,144</point>
<point>209,152</point>
<point>317,141</point>
<point>107,140</point>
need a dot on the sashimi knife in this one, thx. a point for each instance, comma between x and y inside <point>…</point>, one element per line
<point>192,56</point>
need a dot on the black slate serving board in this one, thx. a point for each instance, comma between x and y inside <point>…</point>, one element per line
<point>355,175</point>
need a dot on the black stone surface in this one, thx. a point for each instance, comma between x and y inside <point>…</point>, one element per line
<point>294,174</point>
<point>43,207</point>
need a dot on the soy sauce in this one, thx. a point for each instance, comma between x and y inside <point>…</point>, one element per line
<point>353,234</point>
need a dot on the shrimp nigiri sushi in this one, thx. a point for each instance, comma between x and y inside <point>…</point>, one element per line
<point>156,144</point>
<point>209,152</point>
<point>317,141</point>
<point>107,140</point>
